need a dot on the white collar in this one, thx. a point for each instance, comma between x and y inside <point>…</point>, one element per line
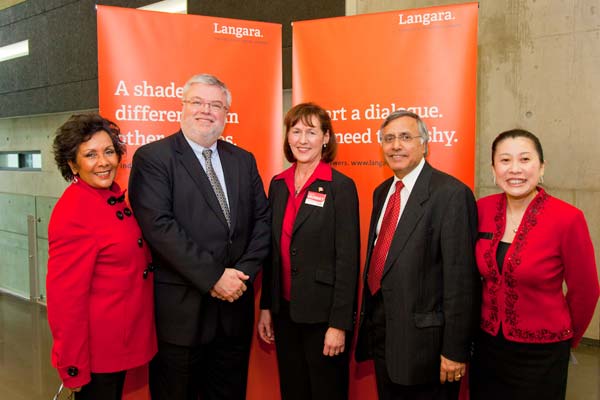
<point>411,178</point>
<point>198,149</point>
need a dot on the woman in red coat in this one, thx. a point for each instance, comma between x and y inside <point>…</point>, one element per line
<point>529,244</point>
<point>100,296</point>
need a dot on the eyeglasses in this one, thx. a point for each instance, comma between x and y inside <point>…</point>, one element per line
<point>403,137</point>
<point>212,105</point>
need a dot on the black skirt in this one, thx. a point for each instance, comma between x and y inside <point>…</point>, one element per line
<point>502,369</point>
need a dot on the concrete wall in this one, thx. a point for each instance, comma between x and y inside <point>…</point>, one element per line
<point>14,241</point>
<point>24,193</point>
<point>32,133</point>
<point>538,70</point>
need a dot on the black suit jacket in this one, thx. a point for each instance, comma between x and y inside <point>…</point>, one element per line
<point>324,252</point>
<point>191,243</point>
<point>430,280</point>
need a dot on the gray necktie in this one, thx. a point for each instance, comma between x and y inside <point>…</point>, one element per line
<point>214,182</point>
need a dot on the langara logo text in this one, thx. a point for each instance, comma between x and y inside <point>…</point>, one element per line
<point>425,18</point>
<point>237,31</point>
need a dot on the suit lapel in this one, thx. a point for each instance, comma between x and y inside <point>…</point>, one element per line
<point>194,169</point>
<point>306,210</point>
<point>279,198</point>
<point>410,216</point>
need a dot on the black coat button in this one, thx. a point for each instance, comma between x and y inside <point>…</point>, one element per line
<point>293,252</point>
<point>127,211</point>
<point>72,371</point>
<point>119,215</point>
<point>140,242</point>
<point>112,200</point>
<point>150,268</point>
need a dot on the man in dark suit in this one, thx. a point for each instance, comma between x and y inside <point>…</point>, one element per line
<point>202,208</point>
<point>420,291</point>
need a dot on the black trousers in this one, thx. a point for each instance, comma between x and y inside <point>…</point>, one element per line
<point>217,370</point>
<point>304,372</point>
<point>108,386</point>
<point>386,388</point>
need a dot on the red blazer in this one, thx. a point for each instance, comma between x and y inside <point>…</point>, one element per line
<point>552,246</point>
<point>100,305</point>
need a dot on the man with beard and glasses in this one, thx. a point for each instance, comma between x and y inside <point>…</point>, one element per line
<point>202,208</point>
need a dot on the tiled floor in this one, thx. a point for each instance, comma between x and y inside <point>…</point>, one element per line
<point>26,373</point>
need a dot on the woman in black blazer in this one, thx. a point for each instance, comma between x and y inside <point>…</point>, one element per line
<point>309,282</point>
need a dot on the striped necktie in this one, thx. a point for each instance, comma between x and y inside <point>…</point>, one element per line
<point>214,182</point>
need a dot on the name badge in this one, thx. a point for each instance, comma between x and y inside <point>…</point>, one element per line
<point>315,199</point>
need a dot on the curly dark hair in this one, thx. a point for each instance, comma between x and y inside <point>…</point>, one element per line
<point>79,128</point>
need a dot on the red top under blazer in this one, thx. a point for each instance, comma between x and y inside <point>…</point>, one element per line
<point>100,306</point>
<point>552,245</point>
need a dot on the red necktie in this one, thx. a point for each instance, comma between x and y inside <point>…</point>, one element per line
<point>384,240</point>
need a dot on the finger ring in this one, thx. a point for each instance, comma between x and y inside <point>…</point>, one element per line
<point>458,375</point>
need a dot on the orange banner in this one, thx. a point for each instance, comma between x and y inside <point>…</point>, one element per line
<point>362,68</point>
<point>144,59</point>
